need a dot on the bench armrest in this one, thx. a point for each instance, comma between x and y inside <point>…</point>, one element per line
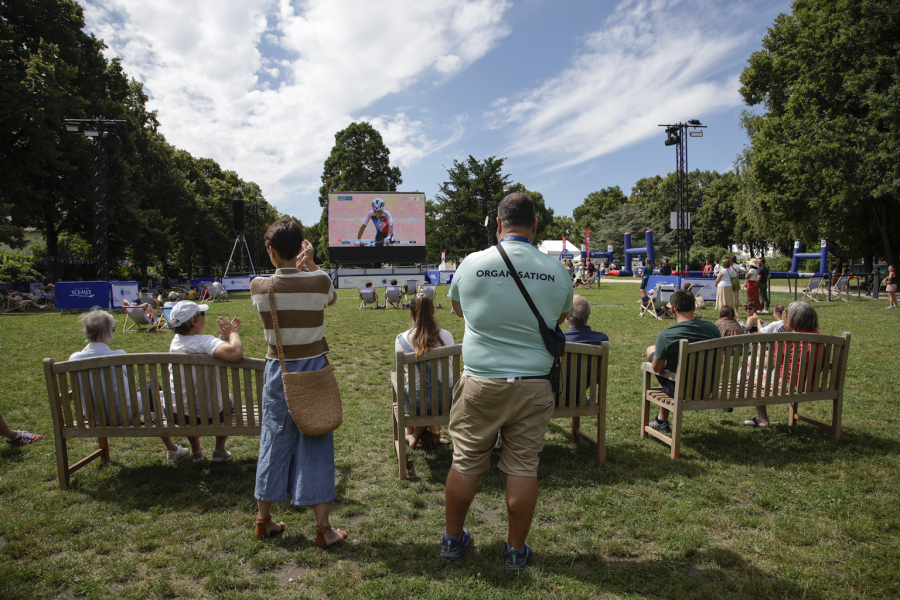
<point>648,367</point>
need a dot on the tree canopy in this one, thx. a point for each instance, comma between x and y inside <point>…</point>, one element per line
<point>168,207</point>
<point>826,154</point>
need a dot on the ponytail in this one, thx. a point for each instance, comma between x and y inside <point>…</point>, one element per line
<point>426,336</point>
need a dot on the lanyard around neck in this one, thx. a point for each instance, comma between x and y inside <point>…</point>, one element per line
<point>515,238</point>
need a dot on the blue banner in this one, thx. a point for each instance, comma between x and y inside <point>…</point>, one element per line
<point>81,295</point>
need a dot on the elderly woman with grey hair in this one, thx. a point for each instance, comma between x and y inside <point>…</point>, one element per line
<point>800,317</point>
<point>99,327</point>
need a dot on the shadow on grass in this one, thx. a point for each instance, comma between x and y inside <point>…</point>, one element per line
<point>709,572</point>
<point>203,486</point>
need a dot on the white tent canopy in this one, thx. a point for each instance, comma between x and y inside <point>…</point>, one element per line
<point>554,247</point>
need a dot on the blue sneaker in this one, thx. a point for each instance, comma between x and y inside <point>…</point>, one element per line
<point>517,560</point>
<point>453,549</point>
<point>662,426</point>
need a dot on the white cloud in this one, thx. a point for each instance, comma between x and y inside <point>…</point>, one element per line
<point>653,61</point>
<point>272,118</point>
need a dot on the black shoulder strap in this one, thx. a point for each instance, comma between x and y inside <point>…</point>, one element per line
<point>515,276</point>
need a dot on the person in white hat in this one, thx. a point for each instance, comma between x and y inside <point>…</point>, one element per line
<point>189,320</point>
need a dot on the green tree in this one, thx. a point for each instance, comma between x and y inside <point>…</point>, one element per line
<point>826,155</point>
<point>455,219</point>
<point>562,225</point>
<point>634,218</point>
<point>594,208</point>
<point>359,162</point>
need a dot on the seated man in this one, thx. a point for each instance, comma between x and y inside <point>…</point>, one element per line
<point>664,355</point>
<point>19,300</point>
<point>579,331</point>
<point>366,291</point>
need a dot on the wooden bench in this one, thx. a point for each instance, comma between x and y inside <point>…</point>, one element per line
<point>580,395</point>
<point>76,416</point>
<point>714,374</point>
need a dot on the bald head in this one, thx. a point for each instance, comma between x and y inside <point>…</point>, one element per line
<point>581,311</point>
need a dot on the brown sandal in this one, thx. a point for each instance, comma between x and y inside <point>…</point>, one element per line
<point>320,536</point>
<point>262,531</point>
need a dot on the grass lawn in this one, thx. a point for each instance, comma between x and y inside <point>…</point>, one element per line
<point>745,513</point>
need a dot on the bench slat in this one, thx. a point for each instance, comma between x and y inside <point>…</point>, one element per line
<point>248,393</point>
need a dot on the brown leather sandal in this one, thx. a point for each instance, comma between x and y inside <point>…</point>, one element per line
<point>320,536</point>
<point>262,531</point>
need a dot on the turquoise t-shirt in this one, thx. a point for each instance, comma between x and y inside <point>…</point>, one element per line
<point>502,338</point>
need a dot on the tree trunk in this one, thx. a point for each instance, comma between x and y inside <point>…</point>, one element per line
<point>51,235</point>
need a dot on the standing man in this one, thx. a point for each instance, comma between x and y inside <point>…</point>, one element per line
<point>665,269</point>
<point>579,331</point>
<point>505,385</point>
<point>664,355</point>
<point>763,280</point>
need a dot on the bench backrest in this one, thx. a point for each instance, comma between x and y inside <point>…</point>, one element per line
<point>583,377</point>
<point>121,376</point>
<point>441,364</point>
<point>787,365</point>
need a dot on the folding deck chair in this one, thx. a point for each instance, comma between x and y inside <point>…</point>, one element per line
<point>9,305</point>
<point>139,320</point>
<point>167,317</point>
<point>367,296</point>
<point>659,300</point>
<point>393,295</point>
<point>220,289</point>
<point>214,294</point>
<point>411,287</point>
<point>842,287</point>
<point>699,301</point>
<point>428,290</point>
<point>817,285</point>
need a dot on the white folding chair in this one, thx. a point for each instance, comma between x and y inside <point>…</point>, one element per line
<point>367,296</point>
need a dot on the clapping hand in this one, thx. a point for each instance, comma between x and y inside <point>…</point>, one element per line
<point>307,256</point>
<point>226,327</point>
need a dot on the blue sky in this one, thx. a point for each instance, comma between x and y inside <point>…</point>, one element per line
<point>570,92</point>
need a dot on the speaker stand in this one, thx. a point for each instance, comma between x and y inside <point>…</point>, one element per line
<point>237,244</point>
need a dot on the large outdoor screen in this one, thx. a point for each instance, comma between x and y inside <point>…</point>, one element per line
<point>376,227</point>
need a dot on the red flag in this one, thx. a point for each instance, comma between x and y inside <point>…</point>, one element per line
<point>587,239</point>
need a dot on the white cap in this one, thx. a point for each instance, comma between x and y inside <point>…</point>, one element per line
<point>184,311</point>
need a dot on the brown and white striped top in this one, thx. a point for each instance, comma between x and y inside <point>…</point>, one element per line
<point>301,299</point>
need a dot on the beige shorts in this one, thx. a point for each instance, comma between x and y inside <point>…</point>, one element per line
<point>482,407</point>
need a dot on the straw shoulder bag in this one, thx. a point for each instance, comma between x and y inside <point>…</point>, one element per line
<point>312,397</point>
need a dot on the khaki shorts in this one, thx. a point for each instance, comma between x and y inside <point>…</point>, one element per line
<point>519,410</point>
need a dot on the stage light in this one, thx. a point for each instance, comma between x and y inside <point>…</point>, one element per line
<point>73,128</point>
<point>696,134</point>
<point>92,133</point>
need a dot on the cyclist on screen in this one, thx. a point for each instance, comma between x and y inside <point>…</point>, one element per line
<point>383,222</point>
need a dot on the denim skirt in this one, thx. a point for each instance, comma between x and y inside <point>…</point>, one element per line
<point>291,463</point>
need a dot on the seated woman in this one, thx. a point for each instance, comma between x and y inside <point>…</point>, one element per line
<point>19,300</point>
<point>776,326</point>
<point>99,326</point>
<point>148,310</point>
<point>801,317</point>
<point>727,323</point>
<point>754,323</point>
<point>423,335</point>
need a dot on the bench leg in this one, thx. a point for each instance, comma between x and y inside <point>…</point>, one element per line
<point>601,435</point>
<point>676,431</point>
<point>397,417</point>
<point>792,414</point>
<point>576,425</point>
<point>836,412</point>
<point>62,461</point>
<point>104,447</point>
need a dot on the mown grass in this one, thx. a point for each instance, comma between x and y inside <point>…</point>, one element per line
<point>777,513</point>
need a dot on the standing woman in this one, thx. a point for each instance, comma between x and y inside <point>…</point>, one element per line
<point>892,286</point>
<point>724,294</point>
<point>290,462</point>
<point>645,279</point>
<point>753,284</point>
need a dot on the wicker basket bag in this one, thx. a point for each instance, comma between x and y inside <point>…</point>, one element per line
<point>312,397</point>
